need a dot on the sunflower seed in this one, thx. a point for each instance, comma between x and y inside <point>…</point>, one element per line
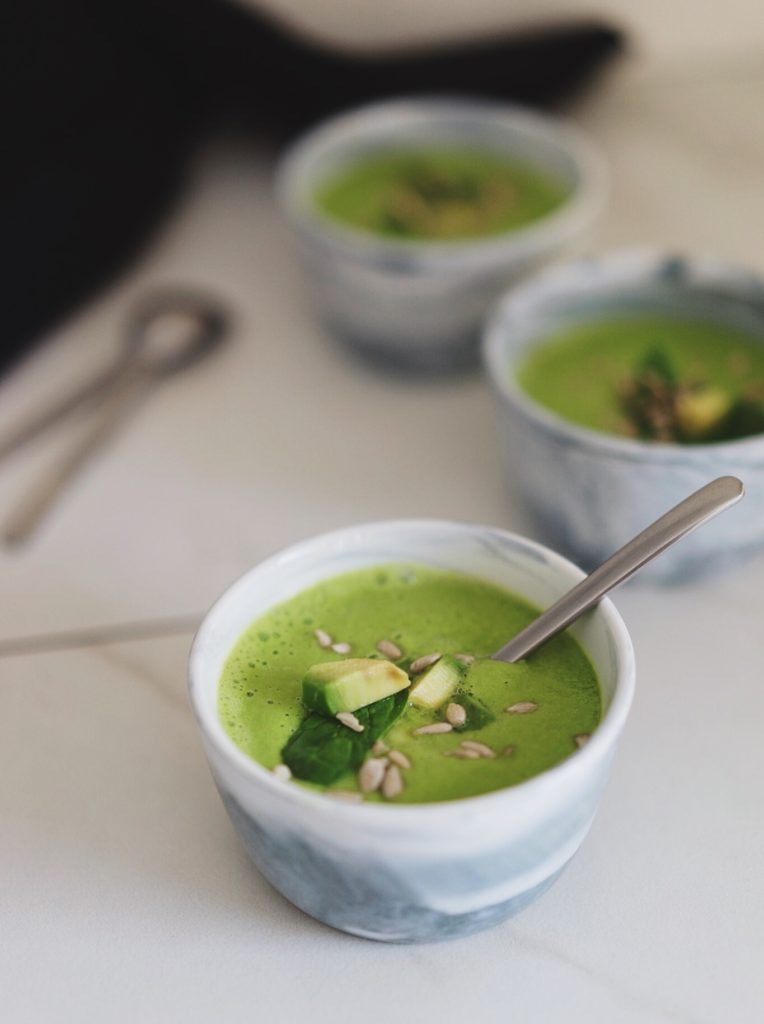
<point>523,707</point>
<point>281,771</point>
<point>456,714</point>
<point>345,795</point>
<point>348,718</point>
<point>582,739</point>
<point>370,774</point>
<point>463,755</point>
<point>392,784</point>
<point>389,649</point>
<point>324,640</point>
<point>396,757</point>
<point>465,659</point>
<point>420,664</point>
<point>432,730</point>
<point>379,748</point>
<point>480,748</point>
<point>508,752</point>
<point>342,648</point>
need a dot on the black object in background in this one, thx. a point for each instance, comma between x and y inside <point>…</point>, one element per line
<point>105,103</point>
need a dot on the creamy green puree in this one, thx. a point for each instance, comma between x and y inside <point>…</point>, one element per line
<point>421,610</point>
<point>438,194</point>
<point>658,377</point>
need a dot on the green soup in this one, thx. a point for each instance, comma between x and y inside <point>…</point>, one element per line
<point>660,378</point>
<point>439,194</point>
<point>421,610</point>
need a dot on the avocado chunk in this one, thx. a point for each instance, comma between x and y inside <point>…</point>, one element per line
<point>700,413</point>
<point>335,686</point>
<point>436,685</point>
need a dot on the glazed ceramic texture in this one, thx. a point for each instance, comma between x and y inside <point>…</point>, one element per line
<point>587,493</point>
<point>421,303</point>
<point>424,872</point>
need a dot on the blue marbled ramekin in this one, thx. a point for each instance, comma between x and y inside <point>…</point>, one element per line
<point>585,492</point>
<point>420,303</point>
<point>412,873</point>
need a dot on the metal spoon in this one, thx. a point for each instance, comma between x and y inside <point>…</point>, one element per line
<point>166,334</point>
<point>688,515</point>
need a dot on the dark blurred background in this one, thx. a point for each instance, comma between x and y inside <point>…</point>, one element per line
<point>106,103</point>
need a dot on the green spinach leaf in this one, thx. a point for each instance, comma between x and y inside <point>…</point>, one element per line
<point>322,749</point>
<point>478,714</point>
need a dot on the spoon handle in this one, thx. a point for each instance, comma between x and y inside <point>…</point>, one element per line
<point>688,515</point>
<point>115,407</point>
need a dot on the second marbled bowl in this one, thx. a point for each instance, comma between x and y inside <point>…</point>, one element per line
<point>586,493</point>
<point>420,303</point>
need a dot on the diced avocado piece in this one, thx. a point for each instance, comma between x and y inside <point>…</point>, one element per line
<point>699,413</point>
<point>436,684</point>
<point>335,686</point>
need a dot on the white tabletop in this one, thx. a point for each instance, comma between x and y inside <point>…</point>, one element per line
<point>125,895</point>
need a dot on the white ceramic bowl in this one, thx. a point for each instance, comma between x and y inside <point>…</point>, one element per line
<point>420,303</point>
<point>587,492</point>
<point>423,872</point>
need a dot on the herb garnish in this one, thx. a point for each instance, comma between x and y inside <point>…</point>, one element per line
<point>660,406</point>
<point>440,203</point>
<point>478,714</point>
<point>321,750</point>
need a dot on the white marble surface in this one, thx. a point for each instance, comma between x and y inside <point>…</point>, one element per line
<point>124,893</point>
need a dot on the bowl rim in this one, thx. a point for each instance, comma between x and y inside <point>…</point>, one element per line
<point>561,224</point>
<point>254,774</point>
<point>497,328</point>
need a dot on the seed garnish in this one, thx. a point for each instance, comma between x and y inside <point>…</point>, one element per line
<point>281,771</point>
<point>389,649</point>
<point>465,659</point>
<point>456,714</point>
<point>432,730</point>
<point>462,754</point>
<point>371,773</point>
<point>392,784</point>
<point>582,739</point>
<point>481,749</point>
<point>523,707</point>
<point>348,718</point>
<point>324,640</point>
<point>379,748</point>
<point>342,648</point>
<point>396,757</point>
<point>420,664</point>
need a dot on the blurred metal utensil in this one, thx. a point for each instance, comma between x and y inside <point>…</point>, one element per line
<point>167,333</point>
